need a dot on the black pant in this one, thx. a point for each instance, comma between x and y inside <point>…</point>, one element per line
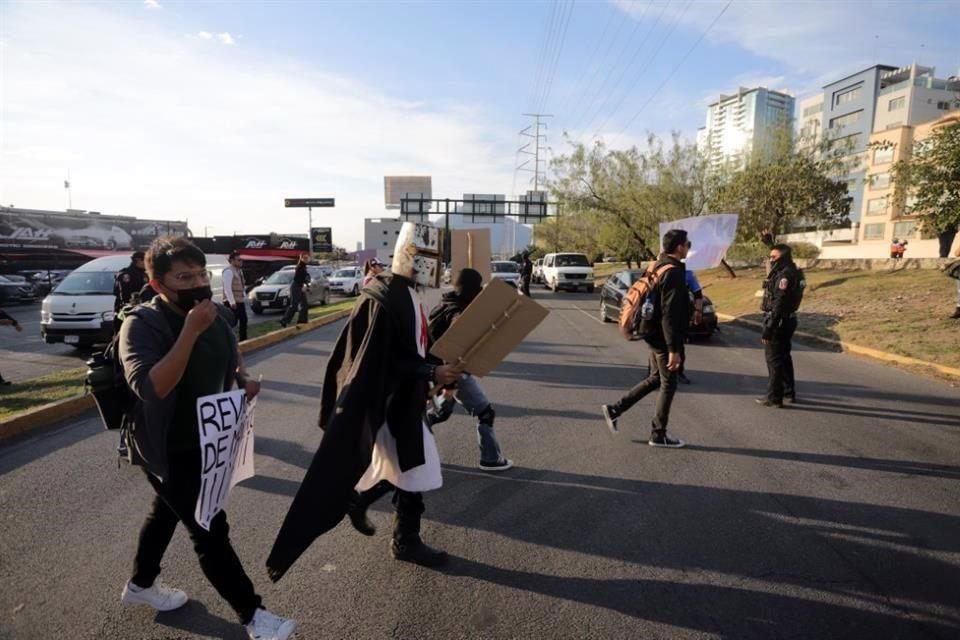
<point>780,363</point>
<point>240,311</point>
<point>525,286</point>
<point>659,378</point>
<point>176,501</point>
<point>298,302</point>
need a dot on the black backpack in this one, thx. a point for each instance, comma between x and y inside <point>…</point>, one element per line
<point>108,385</point>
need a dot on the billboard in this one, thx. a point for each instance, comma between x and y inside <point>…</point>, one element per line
<point>483,208</point>
<point>397,187</point>
<point>322,239</point>
<point>30,228</point>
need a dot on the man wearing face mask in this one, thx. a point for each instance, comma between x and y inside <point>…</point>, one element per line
<point>782,294</point>
<point>175,349</point>
<point>372,412</point>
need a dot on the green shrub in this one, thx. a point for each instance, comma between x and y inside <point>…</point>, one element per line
<point>747,252</point>
<point>804,250</point>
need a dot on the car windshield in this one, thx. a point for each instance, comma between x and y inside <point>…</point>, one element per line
<point>2,279</point>
<point>505,267</point>
<point>572,260</point>
<point>346,273</point>
<point>280,277</point>
<point>86,283</point>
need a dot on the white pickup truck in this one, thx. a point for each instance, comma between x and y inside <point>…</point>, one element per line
<point>572,271</point>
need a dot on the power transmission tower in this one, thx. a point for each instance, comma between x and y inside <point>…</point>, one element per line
<point>537,145</point>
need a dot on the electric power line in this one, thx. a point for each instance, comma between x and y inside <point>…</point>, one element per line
<point>673,71</point>
<point>649,60</point>
<point>544,41</point>
<point>556,59</point>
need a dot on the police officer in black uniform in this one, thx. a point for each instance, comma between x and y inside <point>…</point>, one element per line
<point>782,293</point>
<point>129,281</point>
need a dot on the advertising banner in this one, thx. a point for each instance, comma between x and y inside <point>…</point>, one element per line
<point>21,229</point>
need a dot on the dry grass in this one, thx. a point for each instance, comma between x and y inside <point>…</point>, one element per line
<point>903,312</point>
<point>262,328</point>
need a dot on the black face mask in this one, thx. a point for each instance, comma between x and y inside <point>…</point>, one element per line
<point>188,298</point>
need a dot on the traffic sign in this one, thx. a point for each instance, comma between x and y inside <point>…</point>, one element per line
<point>308,202</point>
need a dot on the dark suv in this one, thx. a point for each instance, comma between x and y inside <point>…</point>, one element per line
<point>16,292</point>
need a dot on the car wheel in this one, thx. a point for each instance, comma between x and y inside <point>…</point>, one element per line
<point>604,312</point>
<point>356,290</point>
<point>257,310</point>
<point>326,298</point>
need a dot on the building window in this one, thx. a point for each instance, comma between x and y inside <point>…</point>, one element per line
<point>904,229</point>
<point>876,206</point>
<point>847,96</point>
<point>846,144</point>
<point>880,180</point>
<point>847,120</point>
<point>874,231</point>
<point>896,103</point>
<point>883,156</point>
<point>809,111</point>
<point>943,106</point>
<point>384,244</point>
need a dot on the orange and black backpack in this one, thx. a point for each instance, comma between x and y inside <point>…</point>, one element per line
<point>631,306</point>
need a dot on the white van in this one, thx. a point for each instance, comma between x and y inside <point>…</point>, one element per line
<point>79,311</point>
<point>571,271</point>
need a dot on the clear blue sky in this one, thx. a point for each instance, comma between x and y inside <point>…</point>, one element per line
<point>216,111</point>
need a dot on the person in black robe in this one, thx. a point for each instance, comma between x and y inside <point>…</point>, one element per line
<point>376,378</point>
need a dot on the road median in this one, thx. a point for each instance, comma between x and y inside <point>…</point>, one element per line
<point>51,413</point>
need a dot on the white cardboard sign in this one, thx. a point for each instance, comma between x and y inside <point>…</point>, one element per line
<point>225,421</point>
<point>711,237</point>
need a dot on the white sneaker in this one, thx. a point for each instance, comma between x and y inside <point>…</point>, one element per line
<point>159,596</point>
<point>266,626</point>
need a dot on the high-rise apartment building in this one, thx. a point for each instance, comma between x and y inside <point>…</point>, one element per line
<point>741,125</point>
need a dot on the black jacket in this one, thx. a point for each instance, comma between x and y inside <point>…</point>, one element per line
<point>126,283</point>
<point>374,375</point>
<point>674,305</point>
<point>782,294</point>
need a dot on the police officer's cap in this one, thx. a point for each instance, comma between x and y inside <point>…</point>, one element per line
<point>137,255</point>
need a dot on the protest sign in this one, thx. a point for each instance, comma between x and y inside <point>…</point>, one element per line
<point>489,329</point>
<point>711,237</point>
<point>225,421</point>
<point>470,249</point>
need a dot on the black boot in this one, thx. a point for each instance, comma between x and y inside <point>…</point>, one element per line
<point>406,544</point>
<point>956,314</point>
<point>357,512</point>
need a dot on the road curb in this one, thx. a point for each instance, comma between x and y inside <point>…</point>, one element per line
<point>56,412</point>
<point>847,347</point>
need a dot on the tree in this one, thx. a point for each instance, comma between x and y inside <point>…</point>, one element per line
<point>784,186</point>
<point>613,200</point>
<point>931,175</point>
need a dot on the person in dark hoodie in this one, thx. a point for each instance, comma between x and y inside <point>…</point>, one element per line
<point>665,336</point>
<point>372,412</point>
<point>175,349</point>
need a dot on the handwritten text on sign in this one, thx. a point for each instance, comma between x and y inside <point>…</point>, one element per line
<point>226,444</point>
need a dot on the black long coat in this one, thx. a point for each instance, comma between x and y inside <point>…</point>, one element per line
<point>374,376</point>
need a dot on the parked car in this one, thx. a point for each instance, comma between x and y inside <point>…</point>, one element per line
<point>617,285</point>
<point>79,311</point>
<point>571,271</point>
<point>45,281</point>
<point>537,277</point>
<point>16,290</point>
<point>347,281</point>
<point>506,271</point>
<point>274,292</point>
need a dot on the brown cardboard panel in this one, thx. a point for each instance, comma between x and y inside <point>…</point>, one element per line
<point>470,248</point>
<point>494,324</point>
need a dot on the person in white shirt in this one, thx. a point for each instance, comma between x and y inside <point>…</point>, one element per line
<point>234,290</point>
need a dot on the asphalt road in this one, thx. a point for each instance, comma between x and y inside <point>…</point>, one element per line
<point>25,355</point>
<point>836,518</point>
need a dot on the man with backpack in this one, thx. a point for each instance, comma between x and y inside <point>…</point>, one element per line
<point>782,293</point>
<point>175,349</point>
<point>663,314</point>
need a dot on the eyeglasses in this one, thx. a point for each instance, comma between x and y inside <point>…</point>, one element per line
<point>185,276</point>
<point>689,245</point>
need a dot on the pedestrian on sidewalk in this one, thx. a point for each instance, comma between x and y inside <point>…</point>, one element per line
<point>235,292</point>
<point>372,412</point>
<point>666,332</point>
<point>175,349</point>
<point>298,294</point>
<point>783,292</point>
<point>6,320</point>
